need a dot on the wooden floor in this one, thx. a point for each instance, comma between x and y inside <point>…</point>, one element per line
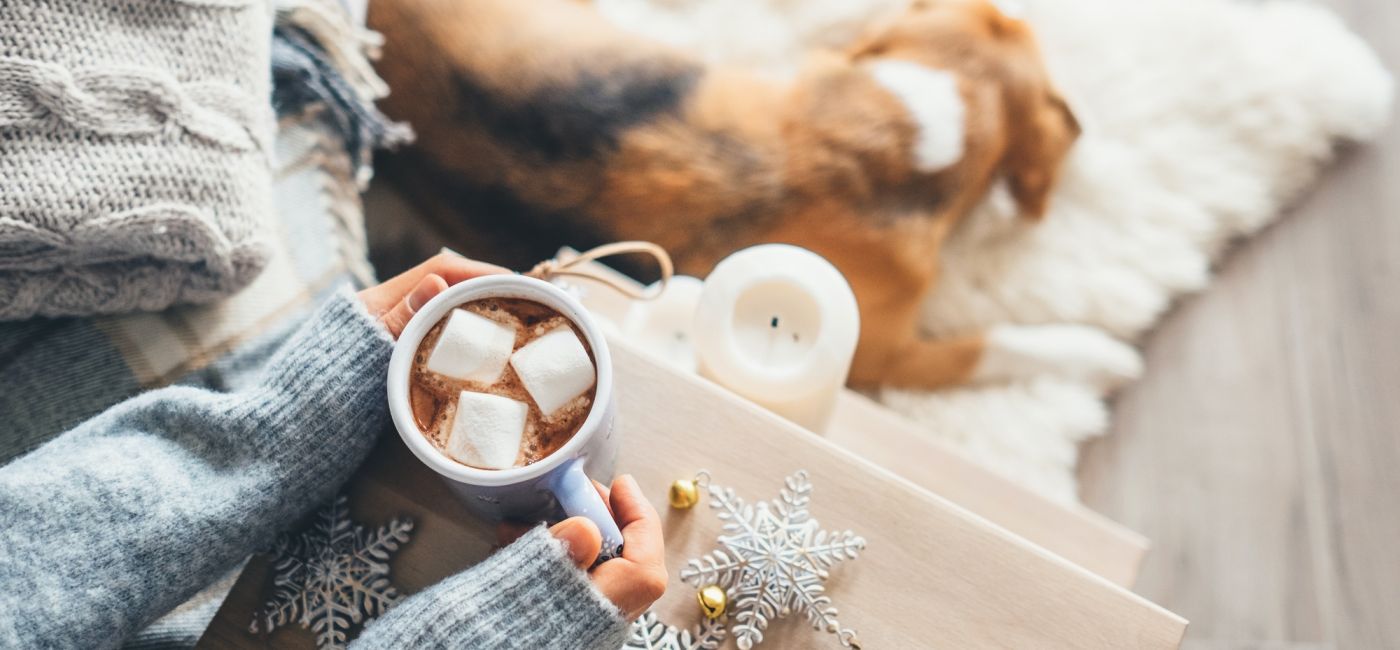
<point>1261,453</point>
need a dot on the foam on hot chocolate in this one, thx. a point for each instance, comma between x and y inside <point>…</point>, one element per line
<point>550,381</point>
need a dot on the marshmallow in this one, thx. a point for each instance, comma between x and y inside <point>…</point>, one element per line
<point>472,348</point>
<point>486,430</point>
<point>554,368</point>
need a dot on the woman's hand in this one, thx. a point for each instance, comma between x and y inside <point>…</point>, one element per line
<point>637,579</point>
<point>397,299</point>
<point>632,582</point>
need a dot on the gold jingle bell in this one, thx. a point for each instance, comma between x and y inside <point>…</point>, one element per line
<point>684,494</point>
<point>712,601</point>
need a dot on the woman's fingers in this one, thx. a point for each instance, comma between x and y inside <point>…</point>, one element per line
<point>634,581</point>
<point>639,521</point>
<point>637,579</point>
<point>454,268</point>
<point>397,317</point>
<point>581,538</point>
<point>384,299</point>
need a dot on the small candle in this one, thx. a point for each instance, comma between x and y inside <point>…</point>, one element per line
<point>606,303</point>
<point>778,324</point>
<point>662,326</point>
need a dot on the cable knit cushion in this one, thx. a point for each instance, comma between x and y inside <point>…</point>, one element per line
<point>134,153</point>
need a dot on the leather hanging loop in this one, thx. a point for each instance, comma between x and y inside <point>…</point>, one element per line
<point>577,267</point>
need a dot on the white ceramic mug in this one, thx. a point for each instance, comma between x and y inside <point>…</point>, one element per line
<point>540,489</point>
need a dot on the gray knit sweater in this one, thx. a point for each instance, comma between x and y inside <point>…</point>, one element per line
<point>134,153</point>
<point>118,520</point>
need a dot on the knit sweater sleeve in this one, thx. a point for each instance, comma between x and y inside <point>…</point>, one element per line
<point>118,520</point>
<point>527,595</point>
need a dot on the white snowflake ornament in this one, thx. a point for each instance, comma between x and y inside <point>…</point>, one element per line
<point>332,575</point>
<point>773,562</point>
<point>650,633</point>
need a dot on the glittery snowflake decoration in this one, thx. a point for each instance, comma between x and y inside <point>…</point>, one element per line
<point>333,575</point>
<point>650,633</point>
<point>773,562</point>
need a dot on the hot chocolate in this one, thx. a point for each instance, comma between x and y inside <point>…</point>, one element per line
<point>502,382</point>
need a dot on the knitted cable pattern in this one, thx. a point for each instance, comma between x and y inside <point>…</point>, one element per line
<point>134,153</point>
<point>126,101</point>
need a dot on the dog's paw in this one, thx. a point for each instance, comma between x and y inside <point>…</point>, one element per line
<point>1071,351</point>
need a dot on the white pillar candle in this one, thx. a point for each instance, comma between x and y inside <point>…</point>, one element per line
<point>778,325</point>
<point>662,326</point>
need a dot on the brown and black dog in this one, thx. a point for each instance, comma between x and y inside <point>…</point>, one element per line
<point>869,157</point>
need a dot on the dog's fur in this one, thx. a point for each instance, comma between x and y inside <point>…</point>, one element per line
<point>543,103</point>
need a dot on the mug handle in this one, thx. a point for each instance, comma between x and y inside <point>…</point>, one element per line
<point>579,498</point>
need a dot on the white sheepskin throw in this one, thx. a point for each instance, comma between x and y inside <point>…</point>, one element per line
<point>1202,118</point>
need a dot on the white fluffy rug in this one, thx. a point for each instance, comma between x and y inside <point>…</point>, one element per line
<point>1203,118</point>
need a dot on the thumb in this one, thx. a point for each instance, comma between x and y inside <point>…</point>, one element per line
<point>581,538</point>
<point>426,289</point>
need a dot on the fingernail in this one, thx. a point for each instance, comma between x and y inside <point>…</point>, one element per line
<point>421,294</point>
<point>451,252</point>
<point>632,483</point>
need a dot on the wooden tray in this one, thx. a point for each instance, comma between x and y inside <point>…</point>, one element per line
<point>1073,532</point>
<point>933,574</point>
<point>860,425</point>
